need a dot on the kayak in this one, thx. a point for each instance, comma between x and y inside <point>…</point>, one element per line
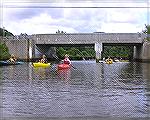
<point>39,64</point>
<point>63,66</point>
<point>110,61</point>
<point>4,63</point>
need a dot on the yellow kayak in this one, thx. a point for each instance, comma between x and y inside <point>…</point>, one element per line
<point>39,64</point>
<point>109,61</point>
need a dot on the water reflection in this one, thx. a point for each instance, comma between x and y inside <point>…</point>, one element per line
<point>146,71</point>
<point>92,89</point>
<point>64,74</point>
<point>40,73</point>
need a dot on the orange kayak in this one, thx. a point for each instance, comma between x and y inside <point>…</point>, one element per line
<point>63,66</point>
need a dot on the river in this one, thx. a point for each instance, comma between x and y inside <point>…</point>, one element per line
<point>89,90</point>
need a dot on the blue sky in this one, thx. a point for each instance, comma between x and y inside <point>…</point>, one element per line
<point>74,16</point>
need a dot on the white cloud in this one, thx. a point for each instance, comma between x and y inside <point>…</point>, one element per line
<point>120,28</point>
<point>48,20</point>
<point>37,25</point>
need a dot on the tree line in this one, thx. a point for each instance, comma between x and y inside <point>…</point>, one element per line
<point>124,52</point>
<point>77,53</point>
<point>4,51</point>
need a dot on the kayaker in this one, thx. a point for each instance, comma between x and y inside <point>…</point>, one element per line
<point>44,59</point>
<point>12,59</point>
<point>66,60</point>
<point>109,60</point>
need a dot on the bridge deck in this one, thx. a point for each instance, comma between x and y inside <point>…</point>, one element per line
<point>83,38</point>
<point>88,38</point>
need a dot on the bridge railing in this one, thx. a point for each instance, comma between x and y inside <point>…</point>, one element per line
<point>122,38</point>
<point>17,37</point>
<point>88,38</point>
<point>63,39</point>
<point>82,37</point>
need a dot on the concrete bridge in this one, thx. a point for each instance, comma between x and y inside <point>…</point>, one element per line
<point>26,47</point>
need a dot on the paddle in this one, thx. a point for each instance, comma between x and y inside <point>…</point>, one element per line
<point>73,66</point>
<point>57,58</point>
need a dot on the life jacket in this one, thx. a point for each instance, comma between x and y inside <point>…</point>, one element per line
<point>66,61</point>
<point>44,60</point>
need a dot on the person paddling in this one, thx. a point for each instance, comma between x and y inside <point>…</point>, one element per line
<point>12,59</point>
<point>66,60</point>
<point>109,60</point>
<point>44,59</point>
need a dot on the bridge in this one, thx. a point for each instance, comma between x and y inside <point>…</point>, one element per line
<point>89,38</point>
<point>27,46</point>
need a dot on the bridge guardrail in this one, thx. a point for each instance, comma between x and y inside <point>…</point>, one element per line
<point>89,38</point>
<point>83,38</point>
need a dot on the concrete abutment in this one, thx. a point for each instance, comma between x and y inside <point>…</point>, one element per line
<point>142,52</point>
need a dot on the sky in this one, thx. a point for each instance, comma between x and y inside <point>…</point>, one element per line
<point>74,16</point>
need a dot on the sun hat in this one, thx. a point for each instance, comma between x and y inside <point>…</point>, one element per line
<point>66,55</point>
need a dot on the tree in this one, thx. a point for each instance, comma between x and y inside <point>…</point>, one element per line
<point>60,32</point>
<point>118,51</point>
<point>4,52</point>
<point>76,52</point>
<point>61,52</point>
<point>147,31</point>
<point>4,32</point>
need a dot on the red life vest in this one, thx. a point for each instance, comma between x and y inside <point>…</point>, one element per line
<point>66,61</point>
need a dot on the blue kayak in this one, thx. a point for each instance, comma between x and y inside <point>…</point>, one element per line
<point>4,63</point>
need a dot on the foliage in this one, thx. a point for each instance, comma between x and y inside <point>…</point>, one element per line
<point>4,52</point>
<point>89,52</point>
<point>60,32</point>
<point>147,31</point>
<point>75,52</point>
<point>118,51</point>
<point>61,52</point>
<point>4,32</point>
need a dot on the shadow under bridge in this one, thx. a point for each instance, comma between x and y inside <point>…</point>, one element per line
<point>50,49</point>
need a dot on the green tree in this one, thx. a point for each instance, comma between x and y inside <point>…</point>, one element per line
<point>76,52</point>
<point>85,54</point>
<point>147,31</point>
<point>118,51</point>
<point>4,32</point>
<point>61,52</point>
<point>4,52</point>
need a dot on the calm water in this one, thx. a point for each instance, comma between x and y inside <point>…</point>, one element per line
<point>119,90</point>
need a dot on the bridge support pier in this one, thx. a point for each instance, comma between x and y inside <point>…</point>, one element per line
<point>146,51</point>
<point>137,53</point>
<point>98,50</point>
<point>142,52</point>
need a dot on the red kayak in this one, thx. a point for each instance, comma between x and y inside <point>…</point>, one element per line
<point>63,66</point>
